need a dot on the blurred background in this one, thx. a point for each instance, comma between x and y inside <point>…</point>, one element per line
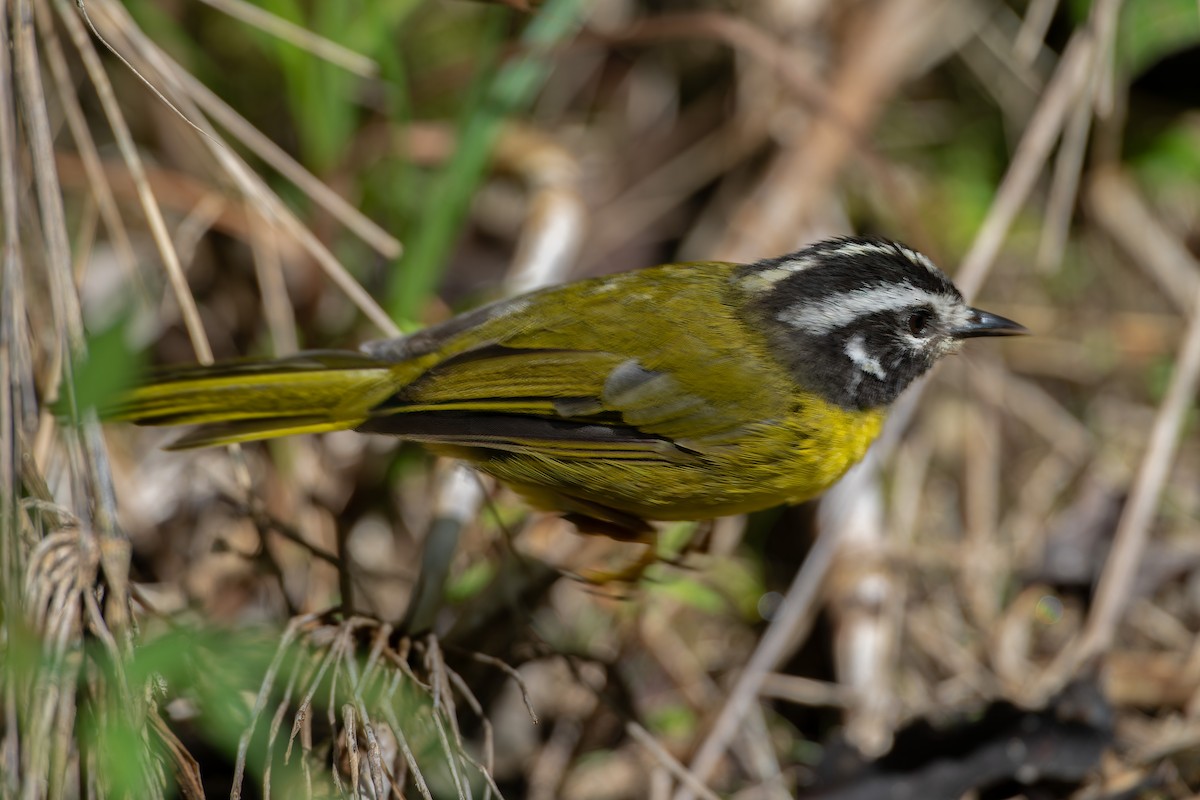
<point>1002,602</point>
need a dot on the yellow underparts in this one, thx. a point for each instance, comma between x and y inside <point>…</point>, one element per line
<point>786,460</point>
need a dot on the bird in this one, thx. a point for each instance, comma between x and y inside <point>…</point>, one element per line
<point>685,391</point>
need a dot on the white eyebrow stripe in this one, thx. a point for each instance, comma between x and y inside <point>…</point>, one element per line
<point>763,280</point>
<point>818,317</point>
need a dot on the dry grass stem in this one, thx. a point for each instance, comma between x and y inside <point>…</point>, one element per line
<point>556,222</point>
<point>1125,216</point>
<point>133,162</point>
<point>268,269</point>
<point>82,8</point>
<point>861,590</point>
<point>409,758</point>
<point>788,625</point>
<point>76,121</point>
<point>1115,586</point>
<point>984,563</point>
<point>797,75</point>
<point>370,232</point>
<point>668,762</point>
<point>1064,186</point>
<point>189,93</point>
<point>1034,149</point>
<point>768,218</point>
<point>290,32</point>
<point>1034,25</point>
<point>260,702</point>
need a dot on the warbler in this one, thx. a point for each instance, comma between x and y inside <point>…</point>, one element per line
<point>683,391</point>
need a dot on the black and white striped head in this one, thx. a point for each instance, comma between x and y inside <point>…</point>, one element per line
<point>857,320</point>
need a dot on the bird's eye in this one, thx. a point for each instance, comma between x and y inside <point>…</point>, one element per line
<point>918,322</point>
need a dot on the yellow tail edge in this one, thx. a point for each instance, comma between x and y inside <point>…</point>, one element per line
<point>247,401</point>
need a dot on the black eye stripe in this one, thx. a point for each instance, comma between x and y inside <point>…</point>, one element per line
<point>838,314</point>
<point>835,269</point>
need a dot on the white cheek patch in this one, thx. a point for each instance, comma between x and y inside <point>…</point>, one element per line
<point>819,317</point>
<point>765,279</point>
<point>856,351</point>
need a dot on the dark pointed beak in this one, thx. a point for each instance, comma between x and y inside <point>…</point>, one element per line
<point>983,323</point>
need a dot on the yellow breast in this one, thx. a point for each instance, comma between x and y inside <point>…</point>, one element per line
<point>826,441</point>
<point>789,460</point>
<point>786,460</point>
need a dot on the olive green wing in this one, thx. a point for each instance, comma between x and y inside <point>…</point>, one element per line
<point>555,402</point>
<point>532,401</point>
<point>655,364</point>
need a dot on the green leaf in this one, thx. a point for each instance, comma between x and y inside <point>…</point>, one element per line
<point>1172,158</point>
<point>689,591</point>
<point>473,580</point>
<point>499,94</point>
<point>1151,29</point>
<point>111,367</point>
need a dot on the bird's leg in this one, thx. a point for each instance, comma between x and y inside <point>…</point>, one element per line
<point>631,530</point>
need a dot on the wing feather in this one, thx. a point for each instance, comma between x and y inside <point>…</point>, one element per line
<point>563,359</point>
<point>554,402</point>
